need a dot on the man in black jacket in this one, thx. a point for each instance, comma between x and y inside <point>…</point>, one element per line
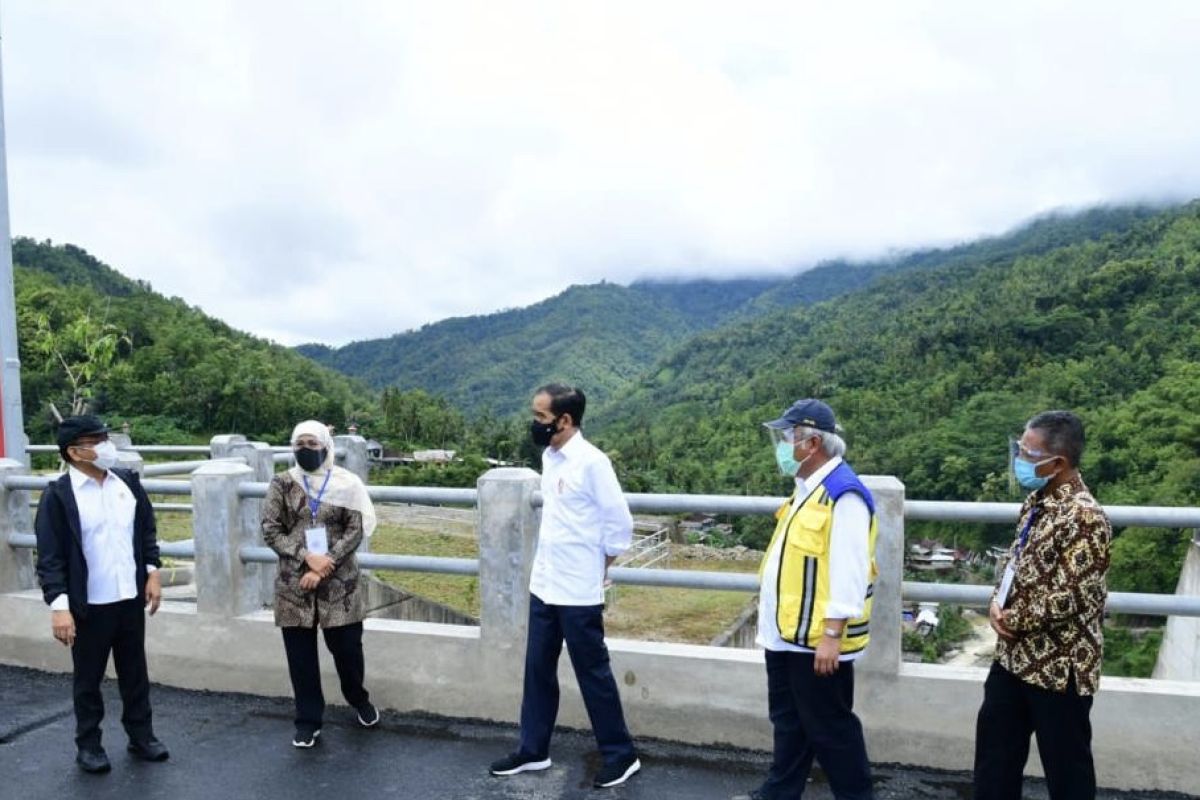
<point>97,560</point>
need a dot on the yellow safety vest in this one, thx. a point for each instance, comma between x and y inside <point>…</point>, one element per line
<point>802,584</point>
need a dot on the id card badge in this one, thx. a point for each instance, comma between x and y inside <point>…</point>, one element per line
<point>317,541</point>
<point>1005,585</point>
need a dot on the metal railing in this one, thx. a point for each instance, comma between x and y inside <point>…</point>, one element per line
<point>960,594</point>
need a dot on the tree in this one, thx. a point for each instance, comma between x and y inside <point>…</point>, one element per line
<point>86,350</point>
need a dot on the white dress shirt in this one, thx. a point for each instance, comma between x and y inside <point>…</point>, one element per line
<point>584,520</point>
<point>849,565</point>
<point>106,514</point>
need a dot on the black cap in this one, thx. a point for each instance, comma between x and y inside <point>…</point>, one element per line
<point>809,413</point>
<point>72,429</point>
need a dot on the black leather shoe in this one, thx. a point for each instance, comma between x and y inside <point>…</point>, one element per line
<point>93,759</point>
<point>149,750</point>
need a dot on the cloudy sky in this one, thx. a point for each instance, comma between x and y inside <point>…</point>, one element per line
<point>318,171</point>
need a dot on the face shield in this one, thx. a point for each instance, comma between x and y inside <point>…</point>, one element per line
<point>778,435</point>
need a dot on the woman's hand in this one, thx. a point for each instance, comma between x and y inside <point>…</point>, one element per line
<point>310,581</point>
<point>322,565</point>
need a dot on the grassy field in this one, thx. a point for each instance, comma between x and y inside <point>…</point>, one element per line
<point>460,592</point>
<point>635,612</point>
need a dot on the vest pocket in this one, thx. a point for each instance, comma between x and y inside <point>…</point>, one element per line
<point>807,531</point>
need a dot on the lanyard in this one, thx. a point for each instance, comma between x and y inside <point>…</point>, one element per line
<point>1033,512</point>
<point>315,503</point>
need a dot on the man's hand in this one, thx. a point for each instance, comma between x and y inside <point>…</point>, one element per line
<point>322,565</point>
<point>996,617</point>
<point>153,591</point>
<point>310,581</point>
<point>825,662</point>
<point>62,623</point>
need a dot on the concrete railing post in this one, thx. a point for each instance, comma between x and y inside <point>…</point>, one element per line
<point>355,456</point>
<point>508,525</point>
<point>261,461</point>
<point>220,446</point>
<point>16,563</point>
<point>883,653</point>
<point>131,459</point>
<point>224,586</point>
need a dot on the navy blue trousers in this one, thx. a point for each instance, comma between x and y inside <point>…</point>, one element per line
<point>1011,711</point>
<point>582,628</point>
<point>814,717</point>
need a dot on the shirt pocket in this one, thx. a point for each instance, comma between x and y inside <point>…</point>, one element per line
<point>806,532</point>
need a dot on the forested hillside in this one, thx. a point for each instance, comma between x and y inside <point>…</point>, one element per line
<point>605,336</point>
<point>600,336</point>
<point>90,335</point>
<point>931,371</point>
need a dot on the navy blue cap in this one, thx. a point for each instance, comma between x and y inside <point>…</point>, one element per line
<point>809,413</point>
<point>72,429</point>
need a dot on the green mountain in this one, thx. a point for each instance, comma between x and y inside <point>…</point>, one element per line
<point>601,337</point>
<point>174,373</point>
<point>932,370</point>
<point>1057,229</point>
<point>605,336</point>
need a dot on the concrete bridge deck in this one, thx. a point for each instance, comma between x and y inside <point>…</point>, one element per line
<point>236,746</point>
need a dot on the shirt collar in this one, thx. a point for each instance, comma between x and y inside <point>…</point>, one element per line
<point>79,478</point>
<point>1060,496</point>
<point>571,447</point>
<point>805,485</point>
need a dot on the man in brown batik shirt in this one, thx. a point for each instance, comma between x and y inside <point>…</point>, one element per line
<point>1047,610</point>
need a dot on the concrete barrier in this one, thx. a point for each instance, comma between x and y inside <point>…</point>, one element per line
<point>1146,736</point>
<point>1179,655</point>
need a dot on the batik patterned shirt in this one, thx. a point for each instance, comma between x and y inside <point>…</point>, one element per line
<point>1056,603</point>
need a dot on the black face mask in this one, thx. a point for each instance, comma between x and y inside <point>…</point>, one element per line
<point>310,460</point>
<point>543,432</point>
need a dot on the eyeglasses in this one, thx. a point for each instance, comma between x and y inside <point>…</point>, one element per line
<point>1017,450</point>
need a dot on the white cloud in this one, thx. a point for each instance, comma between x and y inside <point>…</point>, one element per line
<point>408,162</point>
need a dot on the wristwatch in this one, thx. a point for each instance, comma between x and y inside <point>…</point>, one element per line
<point>832,634</point>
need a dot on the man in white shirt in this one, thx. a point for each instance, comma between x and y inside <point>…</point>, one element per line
<point>814,609</point>
<point>585,525</point>
<point>97,561</point>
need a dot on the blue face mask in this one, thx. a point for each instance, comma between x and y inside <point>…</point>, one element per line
<point>785,457</point>
<point>1026,474</point>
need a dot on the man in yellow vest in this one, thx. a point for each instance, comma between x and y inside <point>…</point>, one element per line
<point>814,609</point>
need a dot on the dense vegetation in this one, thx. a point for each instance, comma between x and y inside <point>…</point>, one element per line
<point>91,337</point>
<point>603,336</point>
<point>932,370</point>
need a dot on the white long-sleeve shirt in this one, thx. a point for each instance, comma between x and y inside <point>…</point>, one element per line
<point>585,519</point>
<point>849,565</point>
<point>106,515</point>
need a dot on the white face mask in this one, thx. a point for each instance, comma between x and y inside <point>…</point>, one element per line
<point>106,456</point>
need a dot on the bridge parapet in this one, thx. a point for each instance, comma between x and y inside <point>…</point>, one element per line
<point>1145,731</point>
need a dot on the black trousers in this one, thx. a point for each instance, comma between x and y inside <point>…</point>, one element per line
<point>582,628</point>
<point>1011,711</point>
<point>304,667</point>
<point>119,629</point>
<point>813,717</point>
